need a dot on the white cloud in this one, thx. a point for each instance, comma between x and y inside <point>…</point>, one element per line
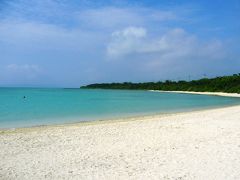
<point>108,17</point>
<point>126,41</point>
<point>113,17</point>
<point>130,32</point>
<point>35,37</point>
<point>174,44</point>
<point>23,68</point>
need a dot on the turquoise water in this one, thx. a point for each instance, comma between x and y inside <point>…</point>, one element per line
<point>57,106</point>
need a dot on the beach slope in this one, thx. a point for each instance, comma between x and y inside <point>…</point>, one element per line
<point>195,145</point>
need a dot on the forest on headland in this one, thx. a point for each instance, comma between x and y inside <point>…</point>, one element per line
<point>229,84</point>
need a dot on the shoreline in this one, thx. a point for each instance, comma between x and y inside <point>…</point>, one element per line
<point>131,118</point>
<point>111,120</point>
<point>191,145</point>
<point>201,93</point>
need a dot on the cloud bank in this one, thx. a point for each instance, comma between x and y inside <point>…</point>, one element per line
<point>173,44</point>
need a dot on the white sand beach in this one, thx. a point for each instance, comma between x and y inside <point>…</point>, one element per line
<point>202,93</point>
<point>194,145</point>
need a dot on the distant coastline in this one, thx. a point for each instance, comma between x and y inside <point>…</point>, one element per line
<point>225,84</point>
<point>202,93</point>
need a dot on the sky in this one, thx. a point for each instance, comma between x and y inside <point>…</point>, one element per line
<point>62,43</point>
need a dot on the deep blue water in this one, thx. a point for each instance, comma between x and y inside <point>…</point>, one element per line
<point>57,106</point>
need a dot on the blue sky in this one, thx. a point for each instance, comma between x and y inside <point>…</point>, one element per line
<point>61,43</point>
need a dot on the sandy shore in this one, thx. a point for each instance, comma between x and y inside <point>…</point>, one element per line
<point>203,93</point>
<point>194,145</point>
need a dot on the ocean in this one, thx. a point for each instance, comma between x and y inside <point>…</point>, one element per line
<point>26,107</point>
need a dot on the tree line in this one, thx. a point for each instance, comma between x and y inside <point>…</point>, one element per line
<point>229,84</point>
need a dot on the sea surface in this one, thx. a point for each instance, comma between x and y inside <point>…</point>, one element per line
<point>58,106</point>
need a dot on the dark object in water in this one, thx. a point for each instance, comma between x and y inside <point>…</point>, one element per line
<point>24,97</point>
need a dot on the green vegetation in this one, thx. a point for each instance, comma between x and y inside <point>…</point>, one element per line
<point>230,84</point>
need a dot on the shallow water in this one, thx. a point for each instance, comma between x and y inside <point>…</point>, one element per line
<point>57,106</point>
